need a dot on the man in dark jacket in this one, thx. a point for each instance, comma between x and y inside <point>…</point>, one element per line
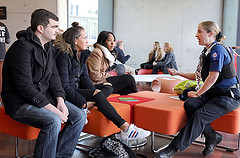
<point>32,92</point>
<point>122,59</point>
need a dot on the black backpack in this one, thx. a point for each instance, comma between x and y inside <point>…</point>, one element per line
<point>112,147</point>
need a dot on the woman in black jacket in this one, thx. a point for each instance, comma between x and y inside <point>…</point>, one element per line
<point>72,67</point>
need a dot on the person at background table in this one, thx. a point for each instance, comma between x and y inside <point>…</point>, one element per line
<point>100,62</point>
<point>80,91</point>
<point>156,54</point>
<point>168,61</point>
<point>4,39</point>
<point>32,92</point>
<point>122,59</point>
<point>218,95</point>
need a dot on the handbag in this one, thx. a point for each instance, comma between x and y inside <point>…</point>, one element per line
<point>112,147</point>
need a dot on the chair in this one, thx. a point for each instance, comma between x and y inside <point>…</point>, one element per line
<point>11,127</point>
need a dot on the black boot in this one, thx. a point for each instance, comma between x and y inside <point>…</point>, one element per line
<point>211,143</point>
<point>168,152</point>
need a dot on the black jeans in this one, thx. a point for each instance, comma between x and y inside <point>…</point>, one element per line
<point>103,106</point>
<point>123,84</point>
<point>106,90</point>
<point>201,112</point>
<point>156,68</point>
<point>146,65</point>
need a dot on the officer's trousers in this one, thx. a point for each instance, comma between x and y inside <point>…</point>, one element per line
<point>201,112</point>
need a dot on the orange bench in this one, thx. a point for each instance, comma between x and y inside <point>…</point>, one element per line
<point>130,103</point>
<point>16,129</point>
<point>98,124</point>
<point>166,115</point>
<point>147,71</point>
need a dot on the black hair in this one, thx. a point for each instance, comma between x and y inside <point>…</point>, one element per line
<point>102,38</point>
<point>41,17</point>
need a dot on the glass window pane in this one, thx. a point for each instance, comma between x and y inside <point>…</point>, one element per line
<point>86,13</point>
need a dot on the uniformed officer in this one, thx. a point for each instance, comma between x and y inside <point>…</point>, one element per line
<point>218,95</point>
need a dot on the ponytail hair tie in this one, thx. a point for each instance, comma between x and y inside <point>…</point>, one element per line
<point>219,35</point>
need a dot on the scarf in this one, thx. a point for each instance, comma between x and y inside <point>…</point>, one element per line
<point>107,54</point>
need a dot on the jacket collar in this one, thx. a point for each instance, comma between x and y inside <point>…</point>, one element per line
<point>107,54</point>
<point>63,46</point>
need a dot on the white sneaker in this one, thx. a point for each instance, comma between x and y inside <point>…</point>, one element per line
<point>134,133</point>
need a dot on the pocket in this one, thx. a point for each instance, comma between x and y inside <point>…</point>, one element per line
<point>236,93</point>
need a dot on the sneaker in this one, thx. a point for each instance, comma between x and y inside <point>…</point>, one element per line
<point>86,111</point>
<point>134,133</point>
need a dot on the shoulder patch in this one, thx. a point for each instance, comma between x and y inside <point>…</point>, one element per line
<point>215,55</point>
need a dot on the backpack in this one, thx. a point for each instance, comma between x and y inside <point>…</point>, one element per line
<point>180,87</point>
<point>111,147</point>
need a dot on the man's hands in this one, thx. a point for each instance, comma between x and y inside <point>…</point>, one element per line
<point>62,106</point>
<point>61,110</point>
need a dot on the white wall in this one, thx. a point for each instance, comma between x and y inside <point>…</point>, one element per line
<point>139,23</point>
<point>19,13</point>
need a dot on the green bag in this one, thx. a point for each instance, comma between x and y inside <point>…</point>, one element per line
<point>180,87</point>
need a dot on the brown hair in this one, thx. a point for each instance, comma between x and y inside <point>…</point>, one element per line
<point>211,26</point>
<point>168,47</point>
<point>71,33</point>
<point>158,54</point>
<point>41,17</point>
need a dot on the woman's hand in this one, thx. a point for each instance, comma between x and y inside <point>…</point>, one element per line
<point>154,63</point>
<point>193,94</point>
<point>90,105</point>
<point>107,84</point>
<point>172,72</point>
<point>96,92</point>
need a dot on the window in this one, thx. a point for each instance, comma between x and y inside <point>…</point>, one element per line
<point>86,13</point>
<point>76,10</point>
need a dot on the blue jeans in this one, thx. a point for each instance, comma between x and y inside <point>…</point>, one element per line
<point>52,141</point>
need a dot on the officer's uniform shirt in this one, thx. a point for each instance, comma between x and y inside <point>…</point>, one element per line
<point>219,58</point>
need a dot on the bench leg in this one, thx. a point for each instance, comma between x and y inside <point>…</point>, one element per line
<point>153,142</point>
<point>224,147</point>
<point>16,151</point>
<point>82,138</point>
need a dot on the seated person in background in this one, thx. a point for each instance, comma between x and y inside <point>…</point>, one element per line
<point>121,59</point>
<point>155,55</point>
<point>4,39</point>
<point>100,61</point>
<point>71,63</point>
<point>32,92</point>
<point>168,60</point>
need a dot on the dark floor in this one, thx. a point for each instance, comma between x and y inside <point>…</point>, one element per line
<point>7,145</point>
<point>7,148</point>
